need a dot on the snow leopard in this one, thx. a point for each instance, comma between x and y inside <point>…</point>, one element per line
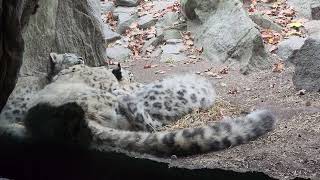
<point>164,101</point>
<point>17,104</point>
<point>117,81</point>
<point>77,112</point>
<point>70,67</point>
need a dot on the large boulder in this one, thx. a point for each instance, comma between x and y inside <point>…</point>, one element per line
<point>288,46</point>
<point>14,15</point>
<point>228,34</point>
<point>63,26</point>
<point>58,26</point>
<point>303,7</point>
<point>307,64</point>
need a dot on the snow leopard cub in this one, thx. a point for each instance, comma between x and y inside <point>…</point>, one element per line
<point>162,102</point>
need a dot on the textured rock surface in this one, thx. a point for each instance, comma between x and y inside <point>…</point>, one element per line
<point>109,34</point>
<point>63,26</point>
<point>14,16</point>
<point>118,53</point>
<point>107,6</point>
<point>312,27</point>
<point>146,21</point>
<point>126,16</point>
<point>264,21</point>
<point>315,10</point>
<point>128,3</point>
<point>307,64</point>
<point>302,7</point>
<point>287,47</point>
<point>228,34</point>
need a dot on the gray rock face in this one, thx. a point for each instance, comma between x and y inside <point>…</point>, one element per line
<point>315,10</point>
<point>106,6</point>
<point>126,16</point>
<point>312,27</point>
<point>128,3</point>
<point>63,26</point>
<point>172,52</point>
<point>287,47</point>
<point>265,22</point>
<point>146,21</point>
<point>228,34</point>
<point>109,34</point>
<point>118,53</point>
<point>307,64</point>
<point>302,7</point>
<point>14,15</point>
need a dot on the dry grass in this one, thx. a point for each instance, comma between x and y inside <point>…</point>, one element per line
<point>198,118</point>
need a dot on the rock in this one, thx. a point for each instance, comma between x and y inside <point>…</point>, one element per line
<point>307,64</point>
<point>118,53</point>
<point>152,42</point>
<point>197,10</point>
<point>127,10</point>
<point>171,34</point>
<point>288,46</point>
<point>173,48</point>
<point>162,5</point>
<point>106,6</point>
<point>146,21</point>
<point>63,26</point>
<point>109,35</point>
<point>127,3</point>
<point>172,53</point>
<point>156,53</point>
<point>174,41</point>
<point>312,27</point>
<point>170,58</point>
<point>302,7</point>
<point>168,20</point>
<point>265,22</point>
<point>315,10</point>
<point>228,37</point>
<point>14,15</point>
<point>126,16</point>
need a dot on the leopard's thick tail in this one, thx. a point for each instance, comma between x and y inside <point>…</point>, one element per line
<point>221,135</point>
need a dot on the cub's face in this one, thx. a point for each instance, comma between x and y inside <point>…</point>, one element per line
<point>64,61</point>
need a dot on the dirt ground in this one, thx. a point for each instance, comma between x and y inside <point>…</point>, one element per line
<point>292,150</point>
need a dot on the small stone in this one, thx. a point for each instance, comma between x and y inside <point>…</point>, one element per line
<point>127,3</point>
<point>146,21</point>
<point>173,48</point>
<point>118,53</point>
<point>265,22</point>
<point>109,34</point>
<point>171,34</point>
<point>173,41</point>
<point>106,6</point>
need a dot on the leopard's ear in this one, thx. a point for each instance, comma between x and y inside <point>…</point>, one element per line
<point>117,72</point>
<point>53,57</point>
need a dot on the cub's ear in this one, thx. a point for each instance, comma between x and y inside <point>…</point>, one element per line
<point>53,57</point>
<point>117,72</point>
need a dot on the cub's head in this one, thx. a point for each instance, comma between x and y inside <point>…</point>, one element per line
<point>63,61</point>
